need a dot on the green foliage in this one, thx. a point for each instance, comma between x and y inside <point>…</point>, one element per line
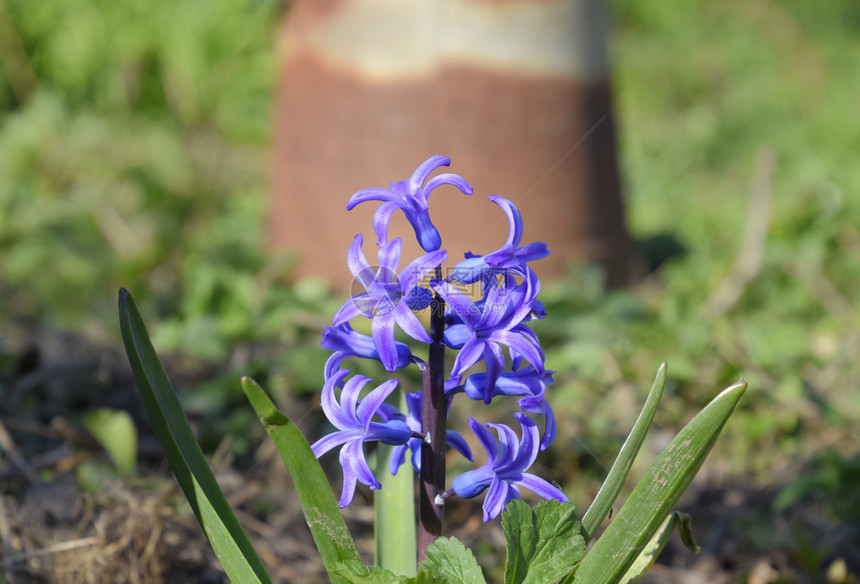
<point>448,557</point>
<point>355,572</point>
<point>115,431</point>
<point>656,494</point>
<point>226,536</point>
<point>322,514</point>
<point>544,543</point>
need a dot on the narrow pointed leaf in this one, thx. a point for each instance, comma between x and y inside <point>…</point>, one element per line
<point>544,543</point>
<point>322,514</point>
<point>449,558</point>
<point>226,536</point>
<point>656,494</point>
<point>615,479</point>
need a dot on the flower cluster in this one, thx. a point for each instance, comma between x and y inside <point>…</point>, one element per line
<point>489,328</point>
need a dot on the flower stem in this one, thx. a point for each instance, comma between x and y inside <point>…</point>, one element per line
<point>434,414</point>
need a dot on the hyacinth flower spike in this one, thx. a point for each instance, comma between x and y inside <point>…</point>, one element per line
<point>346,342</point>
<point>390,298</point>
<point>353,419</point>
<point>509,257</point>
<point>504,472</point>
<point>411,197</point>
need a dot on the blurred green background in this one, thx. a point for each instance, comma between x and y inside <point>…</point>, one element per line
<point>135,150</point>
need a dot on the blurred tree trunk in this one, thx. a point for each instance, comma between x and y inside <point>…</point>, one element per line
<point>516,92</point>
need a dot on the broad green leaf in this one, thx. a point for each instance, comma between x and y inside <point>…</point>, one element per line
<point>655,495</point>
<point>394,506</point>
<point>615,479</point>
<point>225,534</point>
<point>449,558</point>
<point>355,572</point>
<point>544,543</point>
<point>115,431</point>
<point>322,514</point>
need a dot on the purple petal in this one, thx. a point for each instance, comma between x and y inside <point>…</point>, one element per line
<point>371,402</point>
<point>459,303</point>
<point>458,443</point>
<point>353,455</point>
<point>520,345</point>
<point>486,438</point>
<point>332,440</point>
<point>532,251</point>
<point>397,458</point>
<point>448,179</point>
<point>348,491</point>
<point>541,487</point>
<point>382,333</point>
<point>419,177</point>
<point>414,273</point>
<point>495,363</point>
<point>374,194</point>
<point>329,404</point>
<point>515,219</point>
<point>497,497</point>
<point>410,323</point>
<point>381,219</point>
<point>388,258</point>
<point>357,263</point>
<point>349,398</point>
<point>350,309</point>
<point>469,355</point>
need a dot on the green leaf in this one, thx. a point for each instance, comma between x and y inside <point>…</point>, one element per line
<point>544,543</point>
<point>652,549</point>
<point>449,558</point>
<point>354,572</point>
<point>655,495</point>
<point>394,506</point>
<point>115,431</point>
<point>615,479</point>
<point>225,534</point>
<point>685,530</point>
<point>322,514</point>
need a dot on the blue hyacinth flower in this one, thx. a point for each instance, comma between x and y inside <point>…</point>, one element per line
<point>505,470</point>
<point>353,419</point>
<point>390,298</point>
<point>411,197</point>
<point>508,258</point>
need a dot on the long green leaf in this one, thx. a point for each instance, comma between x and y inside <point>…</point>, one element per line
<point>225,534</point>
<point>615,479</point>
<point>322,514</point>
<point>394,506</point>
<point>656,494</point>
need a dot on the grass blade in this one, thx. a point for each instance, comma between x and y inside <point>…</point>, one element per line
<point>615,479</point>
<point>322,514</point>
<point>655,495</point>
<point>226,536</point>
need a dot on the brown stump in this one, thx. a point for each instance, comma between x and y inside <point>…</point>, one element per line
<point>515,92</point>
